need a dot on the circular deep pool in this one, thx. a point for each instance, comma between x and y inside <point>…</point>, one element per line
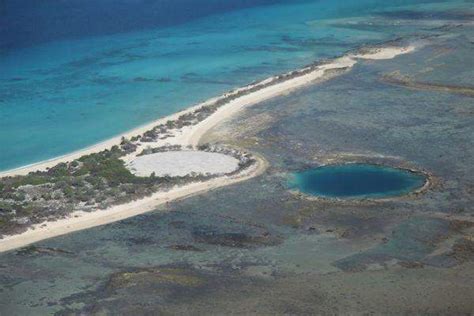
<point>356,181</point>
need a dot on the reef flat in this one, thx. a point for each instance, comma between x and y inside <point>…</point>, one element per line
<point>400,80</point>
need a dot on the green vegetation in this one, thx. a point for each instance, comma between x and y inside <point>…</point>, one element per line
<point>94,181</point>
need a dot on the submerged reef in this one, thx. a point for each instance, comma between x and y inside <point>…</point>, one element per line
<point>414,243</point>
<point>398,79</point>
<point>147,277</point>
<point>234,239</point>
<point>36,250</point>
<point>155,284</point>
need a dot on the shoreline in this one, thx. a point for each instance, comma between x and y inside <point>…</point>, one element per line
<point>83,220</point>
<point>185,136</point>
<point>301,77</point>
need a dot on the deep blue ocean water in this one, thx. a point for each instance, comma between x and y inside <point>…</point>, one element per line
<point>356,180</point>
<point>74,73</point>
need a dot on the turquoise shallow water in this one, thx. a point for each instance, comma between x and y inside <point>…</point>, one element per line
<point>356,181</point>
<point>62,95</point>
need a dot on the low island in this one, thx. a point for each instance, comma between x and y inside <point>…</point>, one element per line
<point>163,161</point>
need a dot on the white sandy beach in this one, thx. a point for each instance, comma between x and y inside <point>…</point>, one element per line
<point>189,135</point>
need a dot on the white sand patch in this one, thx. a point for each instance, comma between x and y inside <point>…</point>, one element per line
<point>385,53</point>
<point>181,163</point>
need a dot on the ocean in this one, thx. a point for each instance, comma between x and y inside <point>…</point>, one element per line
<point>74,73</point>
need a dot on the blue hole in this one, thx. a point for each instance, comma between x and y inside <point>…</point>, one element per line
<point>356,181</point>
